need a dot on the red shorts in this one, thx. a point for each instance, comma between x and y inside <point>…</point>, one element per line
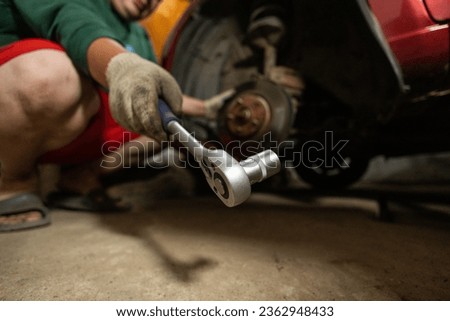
<point>102,135</point>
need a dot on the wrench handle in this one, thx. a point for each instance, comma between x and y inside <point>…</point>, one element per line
<point>166,114</point>
<point>172,125</point>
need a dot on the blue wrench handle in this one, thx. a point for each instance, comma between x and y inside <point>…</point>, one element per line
<point>166,114</point>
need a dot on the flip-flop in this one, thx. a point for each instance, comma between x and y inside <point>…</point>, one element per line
<point>22,203</point>
<point>94,201</point>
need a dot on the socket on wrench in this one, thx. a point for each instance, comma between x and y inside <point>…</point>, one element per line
<point>229,179</point>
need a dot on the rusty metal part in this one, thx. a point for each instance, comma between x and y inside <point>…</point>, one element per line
<point>258,108</point>
<point>248,115</point>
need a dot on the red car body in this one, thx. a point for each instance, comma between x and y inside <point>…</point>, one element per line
<point>418,34</point>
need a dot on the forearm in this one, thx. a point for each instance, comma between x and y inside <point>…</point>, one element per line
<point>193,106</point>
<point>99,54</point>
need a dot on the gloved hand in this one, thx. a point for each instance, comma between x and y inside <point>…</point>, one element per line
<point>213,104</point>
<point>135,84</point>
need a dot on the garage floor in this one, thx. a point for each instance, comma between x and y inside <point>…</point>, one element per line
<point>173,246</point>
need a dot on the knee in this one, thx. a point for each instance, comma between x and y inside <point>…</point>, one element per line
<point>48,84</point>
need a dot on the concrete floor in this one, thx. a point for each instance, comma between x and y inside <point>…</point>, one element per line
<point>173,246</point>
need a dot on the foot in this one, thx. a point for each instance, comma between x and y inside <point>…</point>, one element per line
<point>17,212</point>
<point>12,219</point>
<point>10,215</point>
<point>80,189</point>
<point>80,179</point>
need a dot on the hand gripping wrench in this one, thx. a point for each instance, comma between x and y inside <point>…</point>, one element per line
<point>229,179</point>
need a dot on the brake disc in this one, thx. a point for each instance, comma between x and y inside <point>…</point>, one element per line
<point>260,113</point>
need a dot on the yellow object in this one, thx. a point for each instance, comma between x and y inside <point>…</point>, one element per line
<point>161,22</point>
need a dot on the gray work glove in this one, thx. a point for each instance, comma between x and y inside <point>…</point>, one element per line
<point>215,103</point>
<point>135,84</point>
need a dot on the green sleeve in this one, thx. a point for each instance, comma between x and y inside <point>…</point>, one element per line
<point>75,24</point>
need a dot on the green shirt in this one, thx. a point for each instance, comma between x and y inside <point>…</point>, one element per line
<point>74,24</point>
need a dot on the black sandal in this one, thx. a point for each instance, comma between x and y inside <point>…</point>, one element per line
<point>23,203</point>
<point>95,201</point>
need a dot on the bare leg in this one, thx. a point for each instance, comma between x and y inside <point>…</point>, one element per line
<point>44,104</point>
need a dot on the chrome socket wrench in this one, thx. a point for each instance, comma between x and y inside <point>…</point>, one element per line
<point>229,179</point>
